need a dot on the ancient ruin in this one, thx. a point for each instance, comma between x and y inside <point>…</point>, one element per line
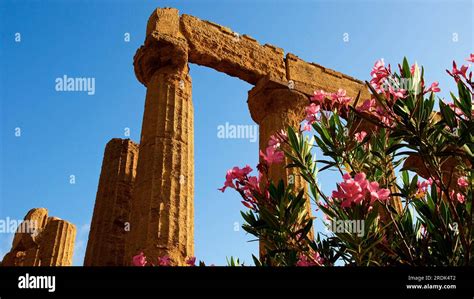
<point>42,241</point>
<point>106,245</point>
<point>162,202</point>
<point>145,197</point>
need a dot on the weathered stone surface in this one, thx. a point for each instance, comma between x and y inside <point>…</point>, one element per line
<point>56,245</point>
<point>159,50</point>
<point>107,236</point>
<point>164,21</point>
<point>218,47</point>
<point>308,77</point>
<point>274,107</point>
<point>162,220</point>
<point>162,209</point>
<point>48,242</point>
<point>35,219</point>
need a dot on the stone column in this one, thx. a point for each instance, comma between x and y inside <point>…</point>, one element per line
<point>162,220</point>
<point>42,241</point>
<point>111,218</point>
<point>56,244</point>
<point>274,106</point>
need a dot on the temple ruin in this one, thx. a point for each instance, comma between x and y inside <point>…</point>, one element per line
<point>162,203</point>
<point>145,198</point>
<point>45,241</point>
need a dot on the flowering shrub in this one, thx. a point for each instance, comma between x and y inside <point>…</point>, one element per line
<point>424,217</point>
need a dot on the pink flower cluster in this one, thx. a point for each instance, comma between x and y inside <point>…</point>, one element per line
<point>463,184</point>
<point>273,154</point>
<point>239,179</point>
<point>461,73</point>
<point>382,81</point>
<point>423,187</point>
<point>322,100</point>
<point>248,186</point>
<point>359,136</point>
<point>373,108</point>
<point>304,261</point>
<point>139,260</point>
<point>356,190</point>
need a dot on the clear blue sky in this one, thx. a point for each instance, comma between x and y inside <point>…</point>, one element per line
<point>64,134</point>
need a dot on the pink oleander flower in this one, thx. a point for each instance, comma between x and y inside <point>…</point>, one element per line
<point>379,75</point>
<point>304,261</point>
<point>368,105</point>
<point>164,261</point>
<point>276,139</point>
<point>352,190</point>
<point>462,182</point>
<point>433,88</point>
<point>311,113</point>
<point>191,261</point>
<point>470,58</point>
<point>462,72</point>
<point>319,97</point>
<point>235,173</point>
<point>423,187</point>
<point>359,136</point>
<point>272,155</point>
<point>340,98</point>
<point>139,260</point>
<point>460,197</point>
<point>455,109</point>
<point>396,93</point>
<point>377,193</point>
<point>306,127</point>
<point>457,196</point>
<point>412,69</point>
<point>357,189</point>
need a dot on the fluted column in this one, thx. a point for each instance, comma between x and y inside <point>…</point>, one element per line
<point>110,221</point>
<point>56,245</point>
<point>274,107</point>
<point>162,220</point>
<point>42,241</point>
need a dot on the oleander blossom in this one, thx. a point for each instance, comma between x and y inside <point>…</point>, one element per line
<point>359,136</point>
<point>462,182</point>
<point>191,261</point>
<point>235,173</point>
<point>470,58</point>
<point>164,261</point>
<point>433,88</point>
<point>248,186</point>
<point>371,107</point>
<point>272,155</point>
<point>277,139</point>
<point>304,261</point>
<point>457,196</point>
<point>358,189</point>
<point>423,188</point>
<point>139,260</point>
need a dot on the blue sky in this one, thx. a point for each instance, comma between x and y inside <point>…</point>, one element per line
<point>64,133</point>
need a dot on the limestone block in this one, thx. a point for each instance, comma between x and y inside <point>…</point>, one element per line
<point>243,57</point>
<point>308,77</point>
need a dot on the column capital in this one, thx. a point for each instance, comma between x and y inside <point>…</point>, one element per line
<point>160,50</point>
<point>275,96</point>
